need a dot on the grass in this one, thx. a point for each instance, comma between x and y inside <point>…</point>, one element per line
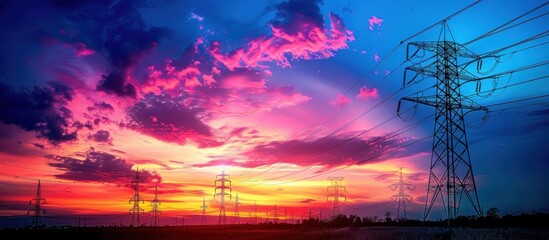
<point>283,232</point>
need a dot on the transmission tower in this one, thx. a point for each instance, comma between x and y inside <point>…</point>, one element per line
<point>220,185</point>
<point>402,197</point>
<point>275,218</point>
<point>37,200</point>
<point>236,211</point>
<point>136,211</point>
<point>203,219</point>
<point>336,192</point>
<point>155,203</point>
<point>255,212</point>
<point>451,172</point>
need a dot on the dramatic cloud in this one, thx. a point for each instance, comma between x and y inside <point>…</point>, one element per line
<point>327,152</point>
<point>119,32</point>
<point>167,119</point>
<point>98,167</point>
<point>39,109</point>
<point>366,93</point>
<point>340,101</point>
<point>101,136</point>
<point>374,21</point>
<point>298,32</point>
<point>308,200</point>
<point>102,106</point>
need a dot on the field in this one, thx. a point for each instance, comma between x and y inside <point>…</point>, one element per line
<point>285,232</point>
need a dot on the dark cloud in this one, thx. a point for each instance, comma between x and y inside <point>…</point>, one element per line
<point>39,109</point>
<point>101,136</point>
<point>167,119</point>
<point>328,152</point>
<point>97,167</point>
<point>104,106</point>
<point>152,161</point>
<point>290,14</point>
<point>308,200</point>
<point>118,30</point>
<point>38,145</point>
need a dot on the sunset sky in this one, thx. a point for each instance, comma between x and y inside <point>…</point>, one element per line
<point>279,95</point>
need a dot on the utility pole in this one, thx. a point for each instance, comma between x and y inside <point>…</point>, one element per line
<point>203,219</point>
<point>37,200</point>
<point>285,215</point>
<point>221,185</point>
<point>401,197</point>
<point>275,219</point>
<point>135,211</point>
<point>255,212</point>
<point>336,192</point>
<point>155,203</point>
<point>451,172</point>
<point>236,211</point>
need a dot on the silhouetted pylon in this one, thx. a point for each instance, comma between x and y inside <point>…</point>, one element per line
<point>155,203</point>
<point>336,192</point>
<point>37,209</point>
<point>451,177</point>
<point>136,211</point>
<point>236,210</point>
<point>401,197</point>
<point>255,212</point>
<point>203,219</point>
<point>275,218</point>
<point>221,185</point>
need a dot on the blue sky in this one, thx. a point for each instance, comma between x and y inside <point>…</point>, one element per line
<point>273,92</point>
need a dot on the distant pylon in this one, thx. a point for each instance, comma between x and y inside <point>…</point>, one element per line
<point>220,184</point>
<point>285,215</point>
<point>401,197</point>
<point>236,211</point>
<point>255,212</point>
<point>37,209</point>
<point>275,219</point>
<point>135,211</point>
<point>203,219</point>
<point>336,192</point>
<point>155,203</point>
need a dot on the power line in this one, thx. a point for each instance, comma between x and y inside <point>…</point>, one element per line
<point>495,30</point>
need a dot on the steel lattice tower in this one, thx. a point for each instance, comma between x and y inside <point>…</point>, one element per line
<point>136,211</point>
<point>155,203</point>
<point>451,171</point>
<point>236,210</point>
<point>275,218</point>
<point>401,197</point>
<point>255,212</point>
<point>203,219</point>
<point>220,184</point>
<point>334,192</point>
<point>37,209</point>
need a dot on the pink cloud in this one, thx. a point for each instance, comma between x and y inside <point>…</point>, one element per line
<point>310,42</point>
<point>374,21</point>
<point>170,78</point>
<point>82,50</point>
<point>366,93</point>
<point>195,16</point>
<point>376,57</point>
<point>246,92</point>
<point>340,101</point>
